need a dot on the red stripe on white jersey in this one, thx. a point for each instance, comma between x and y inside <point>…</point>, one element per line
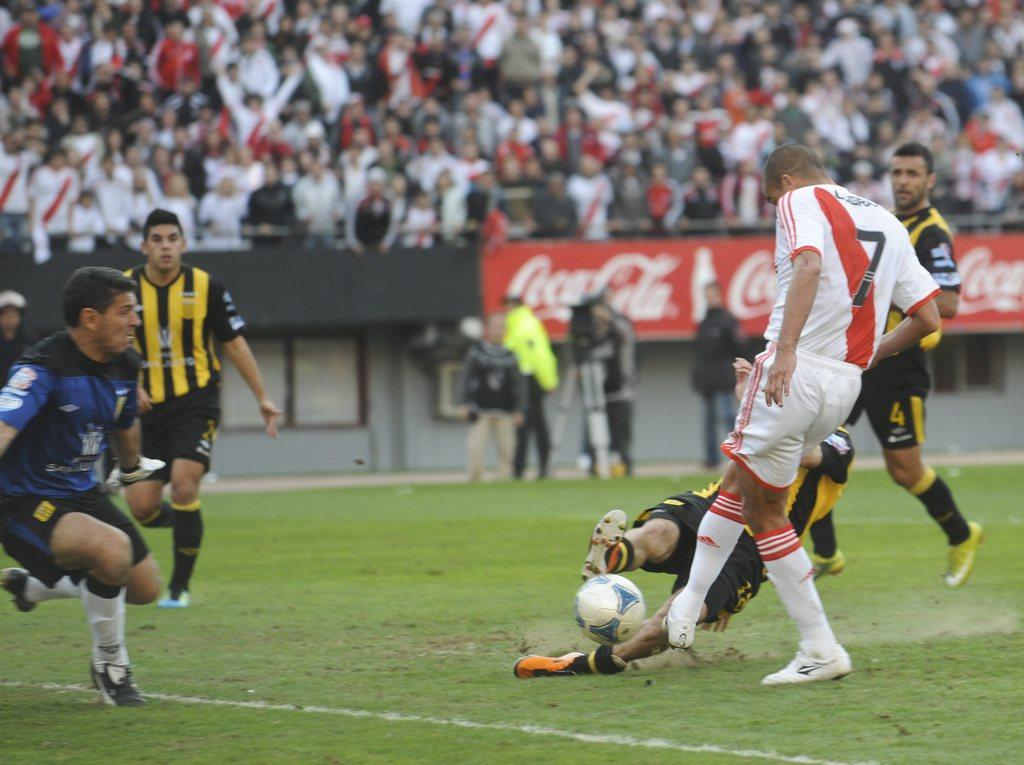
<point>860,335</point>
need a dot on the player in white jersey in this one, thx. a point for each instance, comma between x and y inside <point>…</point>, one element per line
<point>840,261</point>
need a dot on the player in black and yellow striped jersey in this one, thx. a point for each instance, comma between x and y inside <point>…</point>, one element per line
<point>893,393</point>
<point>183,310</point>
<point>663,540</point>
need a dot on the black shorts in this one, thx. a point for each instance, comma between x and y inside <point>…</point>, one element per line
<point>892,395</point>
<point>182,428</point>
<point>740,578</point>
<point>26,524</point>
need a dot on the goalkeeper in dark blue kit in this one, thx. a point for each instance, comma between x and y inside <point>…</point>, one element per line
<point>63,399</point>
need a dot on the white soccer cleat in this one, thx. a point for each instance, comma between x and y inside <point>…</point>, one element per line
<point>806,668</point>
<point>143,470</point>
<point>680,633</point>
<point>608,531</point>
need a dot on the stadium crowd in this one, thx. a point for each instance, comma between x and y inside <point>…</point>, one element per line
<point>366,124</point>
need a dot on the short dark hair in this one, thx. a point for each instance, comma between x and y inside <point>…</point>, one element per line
<point>792,159</point>
<point>160,217</point>
<point>93,287</point>
<point>915,149</point>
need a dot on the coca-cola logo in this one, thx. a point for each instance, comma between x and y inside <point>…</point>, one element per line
<point>753,288</point>
<point>641,289</point>
<point>989,285</point>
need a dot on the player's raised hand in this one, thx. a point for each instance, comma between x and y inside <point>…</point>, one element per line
<point>779,377</point>
<point>270,413</point>
<point>743,369</point>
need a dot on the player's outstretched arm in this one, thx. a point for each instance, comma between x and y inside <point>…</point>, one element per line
<point>908,332</point>
<point>127,444</point>
<point>799,299</point>
<point>238,350</point>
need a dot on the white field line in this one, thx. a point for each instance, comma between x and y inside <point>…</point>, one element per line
<point>531,730</point>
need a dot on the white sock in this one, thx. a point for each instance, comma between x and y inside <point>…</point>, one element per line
<point>37,592</point>
<point>719,530</point>
<point>789,568</point>
<point>106,621</point>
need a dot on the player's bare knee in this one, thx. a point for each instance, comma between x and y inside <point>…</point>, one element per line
<point>144,583</point>
<point>115,561</point>
<point>905,475</point>
<point>184,491</point>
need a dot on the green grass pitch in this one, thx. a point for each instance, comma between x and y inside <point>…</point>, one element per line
<point>418,600</point>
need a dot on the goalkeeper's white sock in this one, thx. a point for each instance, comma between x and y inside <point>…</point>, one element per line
<point>37,592</point>
<point>104,608</point>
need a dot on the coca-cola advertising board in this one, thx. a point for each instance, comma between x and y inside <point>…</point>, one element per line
<point>658,283</point>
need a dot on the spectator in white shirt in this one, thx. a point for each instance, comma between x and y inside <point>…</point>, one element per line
<point>86,224</point>
<point>179,201</point>
<point>592,193</point>
<point>994,170</point>
<point>851,52</point>
<point>451,201</point>
<point>257,70</point>
<point>420,223</point>
<point>113,190</point>
<point>427,167</point>
<point>318,203</point>
<point>407,13</point>
<point>220,215</point>
<point>1005,118</point>
<point>16,164</point>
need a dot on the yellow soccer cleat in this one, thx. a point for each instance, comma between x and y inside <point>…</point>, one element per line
<point>831,566</point>
<point>961,556</point>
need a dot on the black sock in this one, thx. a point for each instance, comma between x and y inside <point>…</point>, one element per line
<point>619,557</point>
<point>938,501</point>
<point>823,534</point>
<point>101,589</point>
<point>601,660</point>
<point>161,519</point>
<point>188,537</point>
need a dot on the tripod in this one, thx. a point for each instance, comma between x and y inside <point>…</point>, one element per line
<point>595,417</point>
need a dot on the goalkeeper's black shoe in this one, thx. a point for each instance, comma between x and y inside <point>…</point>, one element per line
<point>14,580</point>
<point>117,686</point>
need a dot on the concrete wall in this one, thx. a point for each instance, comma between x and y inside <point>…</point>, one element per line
<point>403,434</point>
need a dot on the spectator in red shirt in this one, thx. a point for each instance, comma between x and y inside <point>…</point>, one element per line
<point>174,59</point>
<point>31,45</point>
<point>664,199</point>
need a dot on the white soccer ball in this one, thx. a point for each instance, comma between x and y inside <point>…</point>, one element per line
<point>609,609</point>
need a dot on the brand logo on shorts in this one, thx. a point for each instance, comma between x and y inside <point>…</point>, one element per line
<point>44,511</point>
<point>808,575</point>
<point>709,541</point>
<point>69,408</point>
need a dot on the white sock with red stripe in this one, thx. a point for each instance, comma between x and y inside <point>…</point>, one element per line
<point>789,568</point>
<point>719,530</point>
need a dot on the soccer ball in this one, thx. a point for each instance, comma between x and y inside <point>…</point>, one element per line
<point>609,608</point>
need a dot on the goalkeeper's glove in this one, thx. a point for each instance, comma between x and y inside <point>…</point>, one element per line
<point>120,477</point>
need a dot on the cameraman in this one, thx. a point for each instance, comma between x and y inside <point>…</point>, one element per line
<point>493,395</point>
<point>609,339</point>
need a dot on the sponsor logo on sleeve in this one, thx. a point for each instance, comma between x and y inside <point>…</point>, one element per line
<point>22,379</point>
<point>9,403</point>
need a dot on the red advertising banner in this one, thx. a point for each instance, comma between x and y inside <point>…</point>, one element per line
<point>658,283</point>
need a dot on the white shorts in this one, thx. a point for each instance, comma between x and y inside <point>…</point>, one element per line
<point>769,442</point>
